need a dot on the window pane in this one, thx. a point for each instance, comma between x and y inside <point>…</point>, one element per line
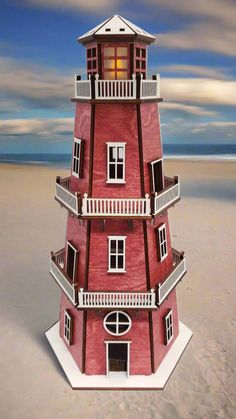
<point>94,52</point>
<point>113,262</point>
<point>113,246</point>
<point>112,328</point>
<point>109,64</point>
<point>74,163</point>
<point>123,328</point>
<point>75,148</point>
<point>121,64</point>
<point>138,52</point>
<point>137,64</point>
<point>143,64</point>
<point>120,262</point>
<point>120,246</point>
<point>123,318</point>
<point>89,65</point>
<point>109,51</point>
<point>111,317</point>
<point>94,63</point>
<point>119,171</point>
<point>112,173</point>
<point>89,53</point>
<point>143,53</point>
<point>121,51</point>
<point>76,166</point>
<point>120,154</point>
<point>121,75</point>
<point>109,75</point>
<point>112,154</point>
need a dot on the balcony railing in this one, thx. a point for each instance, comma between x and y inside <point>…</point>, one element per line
<point>118,207</point>
<point>100,299</point>
<point>67,198</point>
<point>170,282</point>
<point>103,299</point>
<point>136,88</point>
<point>170,194</point>
<point>57,270</point>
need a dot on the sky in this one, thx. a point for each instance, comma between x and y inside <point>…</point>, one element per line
<point>194,52</point>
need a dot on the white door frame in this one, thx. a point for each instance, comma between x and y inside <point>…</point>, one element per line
<point>128,342</point>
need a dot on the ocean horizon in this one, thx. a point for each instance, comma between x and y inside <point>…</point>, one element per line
<point>170,151</point>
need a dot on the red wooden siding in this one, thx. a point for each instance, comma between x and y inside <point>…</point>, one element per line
<point>82,130</point>
<point>116,123</point>
<point>160,349</point>
<point>77,337</point>
<point>77,234</point>
<point>152,148</point>
<point>140,360</point>
<point>158,270</point>
<point>135,276</point>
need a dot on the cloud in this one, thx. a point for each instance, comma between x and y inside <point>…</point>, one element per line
<point>219,125</point>
<point>201,91</point>
<point>189,109</point>
<point>211,25</point>
<point>93,6</point>
<point>202,36</point>
<point>197,70</point>
<point>48,128</point>
<point>40,86</point>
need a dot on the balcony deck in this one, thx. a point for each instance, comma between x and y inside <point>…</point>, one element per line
<point>87,300</point>
<point>133,89</point>
<point>130,208</point>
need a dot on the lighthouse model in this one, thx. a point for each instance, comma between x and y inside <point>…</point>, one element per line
<point>117,271</point>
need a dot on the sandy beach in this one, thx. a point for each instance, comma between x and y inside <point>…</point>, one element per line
<point>202,223</point>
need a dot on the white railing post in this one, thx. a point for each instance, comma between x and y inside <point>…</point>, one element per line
<point>84,204</point>
<point>148,206</point>
<point>158,85</point>
<point>81,299</point>
<point>97,87</point>
<point>152,297</point>
<point>75,85</point>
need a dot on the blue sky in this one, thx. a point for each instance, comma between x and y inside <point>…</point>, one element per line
<point>195,54</point>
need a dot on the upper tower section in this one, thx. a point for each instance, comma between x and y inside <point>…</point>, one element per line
<point>116,49</point>
<point>116,63</point>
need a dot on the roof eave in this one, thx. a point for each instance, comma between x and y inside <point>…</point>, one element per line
<point>129,37</point>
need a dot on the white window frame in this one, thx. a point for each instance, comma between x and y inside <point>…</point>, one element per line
<point>78,141</point>
<point>161,242</point>
<point>152,169</point>
<point>116,238</point>
<point>110,145</point>
<point>68,322</point>
<point>169,327</point>
<point>75,258</point>
<point>117,323</point>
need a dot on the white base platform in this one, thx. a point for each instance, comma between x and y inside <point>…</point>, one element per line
<point>117,380</point>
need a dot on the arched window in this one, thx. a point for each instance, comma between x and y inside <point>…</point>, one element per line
<point>117,323</point>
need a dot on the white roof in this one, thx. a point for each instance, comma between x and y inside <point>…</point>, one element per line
<point>117,25</point>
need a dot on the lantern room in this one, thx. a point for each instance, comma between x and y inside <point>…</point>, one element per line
<point>116,49</point>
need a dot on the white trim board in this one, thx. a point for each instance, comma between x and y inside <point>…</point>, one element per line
<point>118,380</point>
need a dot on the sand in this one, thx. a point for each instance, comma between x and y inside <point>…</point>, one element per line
<point>32,223</point>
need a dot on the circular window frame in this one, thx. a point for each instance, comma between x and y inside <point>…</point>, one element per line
<point>129,322</point>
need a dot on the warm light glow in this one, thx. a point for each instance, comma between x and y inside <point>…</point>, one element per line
<point>121,63</point>
<point>109,64</point>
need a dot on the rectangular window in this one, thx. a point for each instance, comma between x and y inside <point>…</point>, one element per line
<point>162,241</point>
<point>116,162</point>
<point>72,260</point>
<point>168,327</point>
<point>115,63</point>
<point>92,61</point>
<point>116,262</point>
<point>77,158</point>
<point>68,324</point>
<point>140,61</point>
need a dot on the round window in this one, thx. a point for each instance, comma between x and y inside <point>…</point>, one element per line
<point>117,323</point>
